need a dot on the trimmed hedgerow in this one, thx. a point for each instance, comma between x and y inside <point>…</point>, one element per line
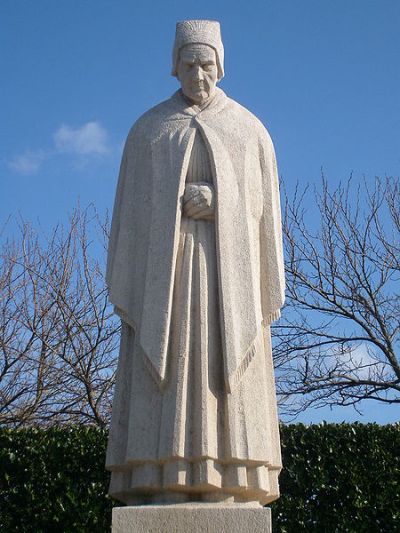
<point>53,480</point>
<point>337,478</point>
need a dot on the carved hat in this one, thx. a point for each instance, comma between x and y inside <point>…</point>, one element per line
<point>198,32</point>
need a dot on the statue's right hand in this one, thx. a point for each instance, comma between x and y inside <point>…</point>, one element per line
<point>198,201</point>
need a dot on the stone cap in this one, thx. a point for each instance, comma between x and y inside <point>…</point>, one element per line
<point>198,32</point>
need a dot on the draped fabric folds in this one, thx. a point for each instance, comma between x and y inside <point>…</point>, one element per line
<point>145,232</point>
<point>191,439</point>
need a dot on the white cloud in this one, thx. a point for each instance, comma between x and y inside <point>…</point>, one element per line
<point>365,362</point>
<point>87,140</point>
<point>90,138</point>
<point>28,162</point>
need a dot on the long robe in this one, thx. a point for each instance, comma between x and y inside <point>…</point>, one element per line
<point>184,427</point>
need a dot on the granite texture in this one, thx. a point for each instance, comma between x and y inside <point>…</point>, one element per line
<point>191,519</point>
<point>195,271</point>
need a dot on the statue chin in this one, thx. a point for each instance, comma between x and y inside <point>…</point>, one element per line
<point>198,99</point>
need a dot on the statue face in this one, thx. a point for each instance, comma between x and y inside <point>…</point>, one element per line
<point>197,72</point>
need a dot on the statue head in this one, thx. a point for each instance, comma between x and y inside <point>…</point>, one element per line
<point>198,58</point>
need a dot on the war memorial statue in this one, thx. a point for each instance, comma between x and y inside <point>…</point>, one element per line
<point>195,272</point>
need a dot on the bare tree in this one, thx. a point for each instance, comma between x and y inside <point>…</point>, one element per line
<point>336,344</point>
<point>338,341</point>
<point>58,339</point>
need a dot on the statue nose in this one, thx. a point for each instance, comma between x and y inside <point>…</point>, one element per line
<point>198,74</point>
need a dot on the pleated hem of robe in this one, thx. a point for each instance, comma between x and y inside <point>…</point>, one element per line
<point>139,482</point>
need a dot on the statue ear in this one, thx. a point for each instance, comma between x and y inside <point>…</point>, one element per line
<point>175,71</point>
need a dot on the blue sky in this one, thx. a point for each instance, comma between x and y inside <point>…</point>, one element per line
<point>323,76</point>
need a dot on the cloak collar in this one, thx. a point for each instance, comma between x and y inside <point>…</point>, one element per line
<point>181,110</point>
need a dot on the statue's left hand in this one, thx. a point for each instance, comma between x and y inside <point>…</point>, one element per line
<point>198,201</point>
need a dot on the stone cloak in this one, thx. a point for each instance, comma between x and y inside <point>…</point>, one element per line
<point>146,221</point>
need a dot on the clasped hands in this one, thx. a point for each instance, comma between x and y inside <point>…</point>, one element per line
<point>198,201</point>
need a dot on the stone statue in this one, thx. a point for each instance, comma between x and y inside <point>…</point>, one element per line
<point>195,271</point>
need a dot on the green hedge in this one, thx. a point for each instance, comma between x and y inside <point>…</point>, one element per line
<point>339,477</point>
<point>53,480</point>
<point>336,478</point>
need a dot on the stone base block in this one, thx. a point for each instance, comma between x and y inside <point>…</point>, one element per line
<point>191,518</point>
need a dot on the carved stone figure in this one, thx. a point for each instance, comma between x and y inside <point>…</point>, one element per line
<point>195,272</point>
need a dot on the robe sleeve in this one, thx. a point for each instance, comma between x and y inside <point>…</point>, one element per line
<point>271,248</point>
<point>116,220</point>
<point>127,243</point>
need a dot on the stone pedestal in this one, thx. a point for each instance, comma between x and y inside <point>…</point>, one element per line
<point>191,518</point>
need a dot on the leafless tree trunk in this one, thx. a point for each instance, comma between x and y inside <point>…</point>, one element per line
<point>58,338</point>
<point>338,341</point>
